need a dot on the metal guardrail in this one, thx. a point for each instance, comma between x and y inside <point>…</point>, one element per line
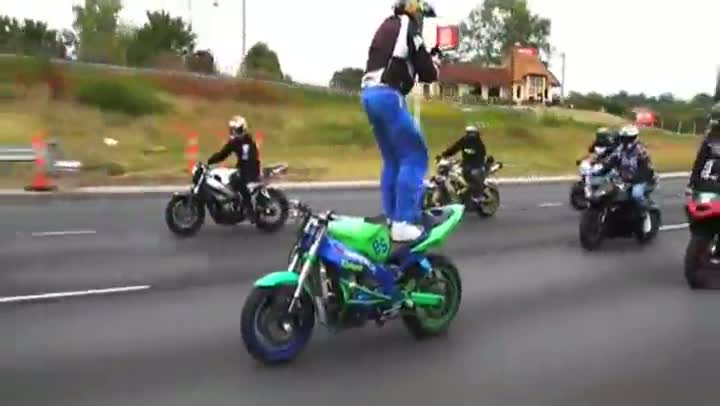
<point>54,157</point>
<point>17,154</point>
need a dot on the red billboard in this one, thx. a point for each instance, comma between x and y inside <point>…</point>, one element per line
<point>448,37</point>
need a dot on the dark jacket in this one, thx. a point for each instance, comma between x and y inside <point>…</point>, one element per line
<point>473,151</point>
<point>397,55</point>
<point>706,169</point>
<point>634,165</point>
<point>246,152</point>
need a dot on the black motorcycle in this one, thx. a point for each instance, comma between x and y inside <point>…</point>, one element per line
<point>448,186</point>
<point>612,213</point>
<point>185,212</point>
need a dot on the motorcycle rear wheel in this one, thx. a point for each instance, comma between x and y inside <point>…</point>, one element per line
<point>490,202</point>
<point>425,323</point>
<point>279,205</point>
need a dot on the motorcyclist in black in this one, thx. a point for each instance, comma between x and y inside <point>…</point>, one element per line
<point>705,175</point>
<point>473,158</point>
<point>248,163</point>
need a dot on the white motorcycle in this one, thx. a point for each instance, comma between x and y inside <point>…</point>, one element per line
<point>185,212</point>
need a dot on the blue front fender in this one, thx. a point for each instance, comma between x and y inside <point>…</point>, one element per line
<point>279,278</point>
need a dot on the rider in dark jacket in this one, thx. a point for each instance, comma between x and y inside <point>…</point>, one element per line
<point>248,163</point>
<point>473,158</point>
<point>632,160</point>
<point>705,175</point>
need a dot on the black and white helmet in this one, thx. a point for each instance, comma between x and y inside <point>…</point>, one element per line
<point>628,135</point>
<point>237,125</point>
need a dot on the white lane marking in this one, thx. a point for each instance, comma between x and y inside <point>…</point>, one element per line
<point>671,227</point>
<point>29,298</point>
<point>63,233</point>
<point>550,204</point>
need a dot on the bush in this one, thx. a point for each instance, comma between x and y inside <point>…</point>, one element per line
<point>120,96</point>
<point>213,89</point>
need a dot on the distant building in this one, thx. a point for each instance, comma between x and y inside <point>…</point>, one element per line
<point>644,117</point>
<point>522,77</point>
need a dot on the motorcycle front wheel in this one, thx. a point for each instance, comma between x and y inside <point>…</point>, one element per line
<point>270,334</point>
<point>184,216</point>
<point>592,232</point>
<point>577,197</point>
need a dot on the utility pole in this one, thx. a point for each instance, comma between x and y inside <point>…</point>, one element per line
<point>562,85</point>
<point>190,16</point>
<point>244,30</point>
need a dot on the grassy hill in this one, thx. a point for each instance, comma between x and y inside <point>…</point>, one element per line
<point>322,135</point>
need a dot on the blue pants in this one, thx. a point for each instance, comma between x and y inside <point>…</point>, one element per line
<point>638,193</point>
<point>403,150</point>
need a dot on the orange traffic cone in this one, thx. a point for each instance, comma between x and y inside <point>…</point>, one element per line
<point>40,181</point>
<point>192,150</point>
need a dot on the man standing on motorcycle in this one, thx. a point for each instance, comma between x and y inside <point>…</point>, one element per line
<point>634,164</point>
<point>473,159</point>
<point>397,54</point>
<point>248,163</point>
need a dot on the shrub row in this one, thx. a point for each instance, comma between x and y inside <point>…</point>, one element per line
<point>137,93</point>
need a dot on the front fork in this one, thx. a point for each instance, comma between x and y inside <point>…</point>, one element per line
<point>305,273</point>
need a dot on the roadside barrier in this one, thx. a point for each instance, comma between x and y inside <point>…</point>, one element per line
<point>46,158</point>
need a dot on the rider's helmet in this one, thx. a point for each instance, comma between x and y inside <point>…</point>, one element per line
<point>472,132</point>
<point>237,125</point>
<point>628,135</point>
<point>417,9</point>
<point>604,137</point>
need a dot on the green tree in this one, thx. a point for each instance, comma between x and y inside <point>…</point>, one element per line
<point>30,37</point>
<point>495,26</point>
<point>161,34</point>
<point>101,37</point>
<point>702,99</point>
<point>347,79</point>
<point>202,62</point>
<point>261,62</point>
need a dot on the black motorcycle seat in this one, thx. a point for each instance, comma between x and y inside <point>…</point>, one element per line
<point>379,219</point>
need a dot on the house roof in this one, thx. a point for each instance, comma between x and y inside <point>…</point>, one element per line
<point>527,63</point>
<point>522,64</point>
<point>469,74</point>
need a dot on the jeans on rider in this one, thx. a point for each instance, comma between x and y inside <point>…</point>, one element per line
<point>239,185</point>
<point>405,159</point>
<point>638,194</point>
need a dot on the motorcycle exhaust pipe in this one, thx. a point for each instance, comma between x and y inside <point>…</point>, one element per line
<point>422,299</point>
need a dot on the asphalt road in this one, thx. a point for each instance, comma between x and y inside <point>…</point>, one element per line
<point>542,322</point>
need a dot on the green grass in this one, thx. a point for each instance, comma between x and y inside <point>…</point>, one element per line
<point>323,136</point>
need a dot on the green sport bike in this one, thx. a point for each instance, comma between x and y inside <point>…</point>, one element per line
<point>330,277</point>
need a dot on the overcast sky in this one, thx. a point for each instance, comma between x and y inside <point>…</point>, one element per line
<point>650,46</point>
